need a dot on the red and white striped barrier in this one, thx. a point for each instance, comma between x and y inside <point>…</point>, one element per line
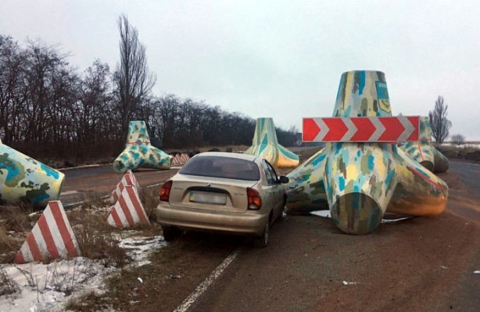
<point>128,179</point>
<point>51,238</point>
<point>176,160</point>
<point>128,209</point>
<point>184,158</point>
<point>180,159</point>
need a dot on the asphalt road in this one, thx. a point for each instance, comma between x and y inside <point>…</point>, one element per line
<point>83,183</point>
<point>422,264</point>
<point>86,171</point>
<point>469,173</point>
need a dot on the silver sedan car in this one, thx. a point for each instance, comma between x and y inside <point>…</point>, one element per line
<point>222,192</point>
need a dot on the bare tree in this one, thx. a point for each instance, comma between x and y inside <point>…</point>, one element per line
<point>134,80</point>
<point>12,99</point>
<point>47,110</point>
<point>50,88</point>
<point>97,120</point>
<point>439,121</point>
<point>458,139</point>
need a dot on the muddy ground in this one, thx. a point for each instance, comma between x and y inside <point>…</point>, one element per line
<point>421,264</point>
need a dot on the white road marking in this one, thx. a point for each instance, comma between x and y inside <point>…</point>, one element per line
<point>465,163</point>
<point>78,167</point>
<point>69,192</point>
<point>187,303</point>
<point>73,205</point>
<point>153,185</point>
<point>326,214</point>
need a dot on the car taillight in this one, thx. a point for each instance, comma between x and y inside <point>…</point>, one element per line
<point>254,199</point>
<point>165,191</point>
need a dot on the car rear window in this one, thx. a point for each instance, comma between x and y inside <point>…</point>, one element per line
<point>222,167</point>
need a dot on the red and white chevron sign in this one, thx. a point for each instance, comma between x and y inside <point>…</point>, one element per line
<point>361,129</point>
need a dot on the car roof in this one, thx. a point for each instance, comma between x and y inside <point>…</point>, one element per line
<point>228,154</point>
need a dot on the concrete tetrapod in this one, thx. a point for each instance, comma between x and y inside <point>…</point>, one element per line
<point>24,179</point>
<point>306,189</point>
<point>265,144</point>
<point>424,152</point>
<point>361,181</point>
<point>139,152</point>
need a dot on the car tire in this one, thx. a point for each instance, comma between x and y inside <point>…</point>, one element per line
<point>283,214</point>
<point>170,233</point>
<point>262,241</point>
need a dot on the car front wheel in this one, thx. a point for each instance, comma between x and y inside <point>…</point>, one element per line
<point>262,241</point>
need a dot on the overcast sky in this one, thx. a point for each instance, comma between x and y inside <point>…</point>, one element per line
<point>280,59</point>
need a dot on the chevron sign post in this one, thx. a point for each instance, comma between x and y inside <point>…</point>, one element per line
<point>361,129</point>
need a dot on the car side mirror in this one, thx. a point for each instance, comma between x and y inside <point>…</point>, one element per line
<point>284,179</point>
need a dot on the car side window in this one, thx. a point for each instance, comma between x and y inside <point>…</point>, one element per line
<point>274,173</point>
<point>270,174</point>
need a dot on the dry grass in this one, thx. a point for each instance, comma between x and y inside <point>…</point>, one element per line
<point>96,239</point>
<point>103,232</point>
<point>461,152</point>
<point>7,286</point>
<point>93,200</point>
<point>8,246</point>
<point>95,236</point>
<point>16,221</point>
<point>150,199</point>
<point>17,217</point>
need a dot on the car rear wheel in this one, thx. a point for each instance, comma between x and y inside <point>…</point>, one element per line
<point>262,241</point>
<point>170,233</point>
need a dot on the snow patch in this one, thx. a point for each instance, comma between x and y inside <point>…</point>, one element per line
<point>326,214</point>
<point>36,287</point>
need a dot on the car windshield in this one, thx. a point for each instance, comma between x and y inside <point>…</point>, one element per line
<point>222,167</point>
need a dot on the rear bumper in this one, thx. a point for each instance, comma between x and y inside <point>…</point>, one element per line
<point>248,223</point>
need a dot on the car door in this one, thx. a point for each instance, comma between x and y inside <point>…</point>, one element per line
<point>276,189</point>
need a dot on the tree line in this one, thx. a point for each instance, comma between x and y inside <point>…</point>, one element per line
<point>48,109</point>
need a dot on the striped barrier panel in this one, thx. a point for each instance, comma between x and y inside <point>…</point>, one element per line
<point>180,159</point>
<point>128,210</point>
<point>128,179</point>
<point>176,160</point>
<point>52,237</point>
<point>184,158</point>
